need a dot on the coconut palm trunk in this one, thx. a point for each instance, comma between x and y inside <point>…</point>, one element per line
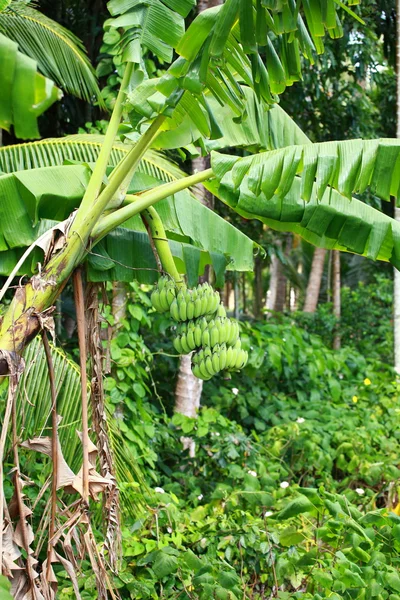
<point>314,281</point>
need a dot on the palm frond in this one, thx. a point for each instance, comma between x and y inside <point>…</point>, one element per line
<point>83,148</point>
<point>60,54</point>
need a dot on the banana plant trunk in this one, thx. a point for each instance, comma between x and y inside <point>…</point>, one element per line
<point>314,281</point>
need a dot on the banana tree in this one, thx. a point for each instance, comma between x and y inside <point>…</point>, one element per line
<point>220,93</point>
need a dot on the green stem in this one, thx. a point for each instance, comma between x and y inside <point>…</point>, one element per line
<point>83,227</point>
<point>138,204</point>
<point>96,180</point>
<point>161,244</point>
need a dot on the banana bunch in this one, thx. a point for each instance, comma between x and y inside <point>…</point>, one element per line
<point>210,361</point>
<point>163,295</point>
<point>191,304</point>
<point>202,326</point>
<point>203,332</point>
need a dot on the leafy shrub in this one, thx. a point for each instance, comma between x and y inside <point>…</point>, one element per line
<point>366,323</point>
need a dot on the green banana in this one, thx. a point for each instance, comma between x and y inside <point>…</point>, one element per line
<point>205,339</point>
<point>190,339</point>
<point>222,357</point>
<point>190,310</point>
<point>174,310</point>
<point>178,345</point>
<point>214,336</point>
<point>216,361</point>
<point>209,366</point>
<point>221,311</point>
<point>185,344</point>
<point>182,307</point>
<point>155,301</point>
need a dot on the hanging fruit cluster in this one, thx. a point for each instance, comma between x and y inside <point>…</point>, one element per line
<point>203,327</point>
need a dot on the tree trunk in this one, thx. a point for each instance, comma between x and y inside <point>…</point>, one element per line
<point>119,302</point>
<point>314,281</point>
<point>273,283</point>
<point>258,287</point>
<point>336,287</point>
<point>276,297</point>
<point>244,299</point>
<point>396,291</point>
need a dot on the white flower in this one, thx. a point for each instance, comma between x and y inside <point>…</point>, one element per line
<point>203,542</point>
<point>284,484</point>
<point>159,490</point>
<point>269,513</point>
<point>200,497</point>
<point>360,491</point>
<point>300,420</point>
<point>235,391</point>
<point>169,529</point>
<point>252,473</point>
<point>217,433</point>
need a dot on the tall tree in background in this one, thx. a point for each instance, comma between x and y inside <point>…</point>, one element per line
<point>336,289</point>
<point>314,281</point>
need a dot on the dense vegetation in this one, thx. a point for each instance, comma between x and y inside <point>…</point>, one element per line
<point>292,487</point>
<point>285,483</point>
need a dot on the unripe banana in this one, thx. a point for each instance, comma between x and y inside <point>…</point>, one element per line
<point>182,305</point>
<point>214,336</point>
<point>197,306</point>
<point>190,339</point>
<point>222,357</point>
<point>174,310</point>
<point>209,366</point>
<point>170,294</point>
<point>204,304</point>
<point>239,359</point>
<point>190,310</point>
<point>162,282</point>
<point>204,372</point>
<point>184,343</point>
<point>221,311</point>
<point>178,345</point>
<point>197,335</point>
<point>155,301</point>
<point>163,299</point>
<point>205,339</point>
<point>229,355</point>
<point>216,362</point>
<point>196,371</point>
<point>238,345</point>
<point>234,333</point>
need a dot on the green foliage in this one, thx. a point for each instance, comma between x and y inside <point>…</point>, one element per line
<point>371,333</point>
<point>26,94</point>
<point>60,55</point>
<point>287,493</point>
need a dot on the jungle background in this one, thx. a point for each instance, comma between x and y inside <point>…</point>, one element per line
<point>310,427</point>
